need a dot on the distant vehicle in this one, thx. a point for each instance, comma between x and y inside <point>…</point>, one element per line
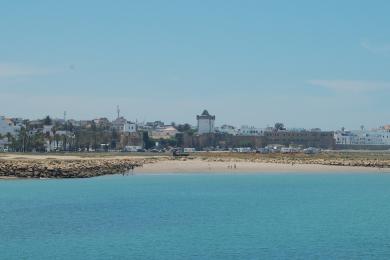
<point>132,148</point>
<point>274,148</point>
<point>189,150</point>
<point>263,150</point>
<point>288,150</point>
<point>141,150</point>
<point>178,153</point>
<point>311,150</point>
<point>242,149</point>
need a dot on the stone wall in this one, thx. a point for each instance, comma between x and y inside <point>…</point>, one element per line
<point>131,139</point>
<point>323,140</point>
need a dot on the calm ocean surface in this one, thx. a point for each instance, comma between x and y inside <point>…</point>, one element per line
<point>197,216</point>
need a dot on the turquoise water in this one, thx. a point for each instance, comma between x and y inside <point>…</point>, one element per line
<point>197,216</point>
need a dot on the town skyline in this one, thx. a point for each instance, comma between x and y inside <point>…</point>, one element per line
<point>191,121</point>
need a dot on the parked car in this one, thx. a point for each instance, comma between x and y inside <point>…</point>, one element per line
<point>289,150</point>
<point>311,150</point>
<point>263,150</point>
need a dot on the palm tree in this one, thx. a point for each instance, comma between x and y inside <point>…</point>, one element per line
<point>56,140</point>
<point>23,139</point>
<point>64,141</point>
<point>9,140</point>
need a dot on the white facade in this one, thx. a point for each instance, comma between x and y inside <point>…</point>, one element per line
<point>228,129</point>
<point>165,132</point>
<point>251,130</point>
<point>48,129</point>
<point>205,123</point>
<point>129,127</point>
<point>53,145</point>
<point>124,126</point>
<point>3,144</point>
<point>119,123</point>
<point>7,126</point>
<point>362,137</point>
<point>132,148</point>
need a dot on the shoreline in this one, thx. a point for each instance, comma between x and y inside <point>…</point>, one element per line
<point>51,166</point>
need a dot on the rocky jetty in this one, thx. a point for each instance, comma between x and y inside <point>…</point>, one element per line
<point>57,168</point>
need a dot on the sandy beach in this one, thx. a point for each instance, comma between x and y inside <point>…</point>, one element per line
<point>202,166</point>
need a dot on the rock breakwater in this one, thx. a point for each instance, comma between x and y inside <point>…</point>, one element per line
<point>57,168</point>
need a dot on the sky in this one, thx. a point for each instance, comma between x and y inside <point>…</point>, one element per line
<point>304,63</point>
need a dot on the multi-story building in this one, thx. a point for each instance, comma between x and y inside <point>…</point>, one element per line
<point>205,123</point>
<point>8,126</point>
<point>119,123</point>
<point>124,126</point>
<point>129,127</point>
<point>301,137</point>
<point>165,132</point>
<point>102,122</point>
<point>228,129</point>
<point>378,137</point>
<point>250,130</point>
<point>155,124</point>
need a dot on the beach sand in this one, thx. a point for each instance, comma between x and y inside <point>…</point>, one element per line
<point>202,166</point>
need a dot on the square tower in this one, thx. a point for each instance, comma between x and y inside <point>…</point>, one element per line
<point>205,123</point>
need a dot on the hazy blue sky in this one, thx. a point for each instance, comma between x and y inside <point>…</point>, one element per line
<point>305,63</point>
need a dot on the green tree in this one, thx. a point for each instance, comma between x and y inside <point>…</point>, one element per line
<point>47,120</point>
<point>279,126</point>
<point>148,143</point>
<point>22,140</point>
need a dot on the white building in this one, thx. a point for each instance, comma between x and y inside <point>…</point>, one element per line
<point>4,144</point>
<point>250,131</point>
<point>48,130</point>
<point>165,132</point>
<point>53,145</point>
<point>7,126</point>
<point>205,123</point>
<point>362,137</point>
<point>129,127</point>
<point>118,123</point>
<point>228,129</point>
<point>124,126</point>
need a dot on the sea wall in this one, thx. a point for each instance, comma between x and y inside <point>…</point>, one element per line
<point>323,140</point>
<point>54,168</point>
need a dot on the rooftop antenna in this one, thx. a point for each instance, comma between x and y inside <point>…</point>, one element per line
<point>118,110</point>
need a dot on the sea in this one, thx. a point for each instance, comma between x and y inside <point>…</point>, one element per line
<point>197,216</point>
